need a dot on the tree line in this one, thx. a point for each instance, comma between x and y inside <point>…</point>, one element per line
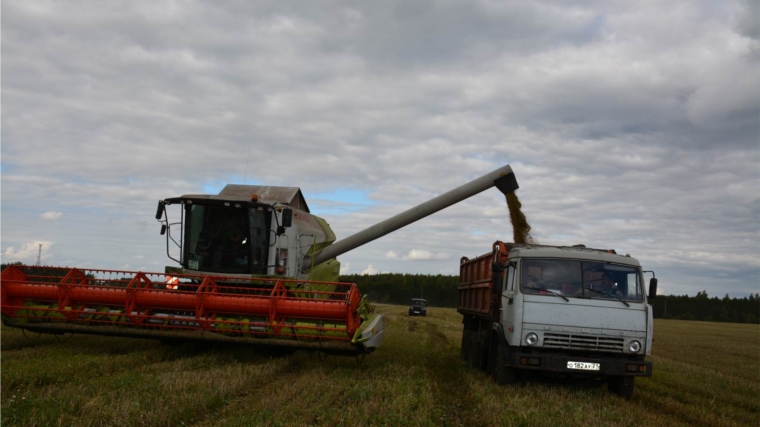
<point>441,291</point>
<point>702,307</point>
<point>395,288</point>
<point>44,273</point>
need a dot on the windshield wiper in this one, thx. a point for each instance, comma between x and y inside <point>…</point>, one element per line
<point>548,290</point>
<point>608,295</point>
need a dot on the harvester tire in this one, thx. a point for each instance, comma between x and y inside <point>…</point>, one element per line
<point>622,386</point>
<point>503,375</point>
<point>63,337</point>
<point>31,335</point>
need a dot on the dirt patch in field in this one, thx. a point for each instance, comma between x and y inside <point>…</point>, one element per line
<point>412,326</point>
<point>455,400</point>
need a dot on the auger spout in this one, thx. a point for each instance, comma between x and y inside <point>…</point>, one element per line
<point>502,178</point>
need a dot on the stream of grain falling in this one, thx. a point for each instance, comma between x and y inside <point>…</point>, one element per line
<point>520,226</point>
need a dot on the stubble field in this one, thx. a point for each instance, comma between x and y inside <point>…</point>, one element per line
<point>705,374</point>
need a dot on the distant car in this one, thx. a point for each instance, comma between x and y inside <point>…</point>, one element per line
<point>418,307</point>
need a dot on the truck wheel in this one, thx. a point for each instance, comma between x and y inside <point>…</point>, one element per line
<point>622,386</point>
<point>476,353</point>
<point>503,375</point>
<point>491,361</point>
<point>466,344</point>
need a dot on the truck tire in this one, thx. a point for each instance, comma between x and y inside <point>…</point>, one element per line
<point>475,355</point>
<point>492,355</point>
<point>622,386</point>
<point>503,375</point>
<point>466,344</point>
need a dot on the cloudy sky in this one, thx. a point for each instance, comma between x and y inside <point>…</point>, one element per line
<point>629,125</point>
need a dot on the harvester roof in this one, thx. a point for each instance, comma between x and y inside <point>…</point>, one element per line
<point>290,196</point>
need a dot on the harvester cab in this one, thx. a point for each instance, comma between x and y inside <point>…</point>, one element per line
<point>254,266</point>
<point>247,231</point>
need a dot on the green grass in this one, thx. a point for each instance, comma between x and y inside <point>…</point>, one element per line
<point>705,374</point>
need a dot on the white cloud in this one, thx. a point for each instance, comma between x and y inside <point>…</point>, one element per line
<point>425,255</point>
<point>370,270</point>
<point>51,215</point>
<point>391,255</point>
<point>27,253</point>
<point>345,268</point>
<point>720,102</point>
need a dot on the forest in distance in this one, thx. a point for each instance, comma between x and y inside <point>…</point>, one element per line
<point>441,291</point>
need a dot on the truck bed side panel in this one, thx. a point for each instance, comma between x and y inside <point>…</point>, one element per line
<point>475,286</point>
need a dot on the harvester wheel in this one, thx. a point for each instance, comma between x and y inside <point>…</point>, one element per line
<point>31,335</point>
<point>63,337</point>
<point>622,386</point>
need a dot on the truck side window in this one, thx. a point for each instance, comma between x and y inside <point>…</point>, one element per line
<point>510,283</point>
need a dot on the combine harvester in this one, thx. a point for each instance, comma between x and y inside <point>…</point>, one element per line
<point>255,266</point>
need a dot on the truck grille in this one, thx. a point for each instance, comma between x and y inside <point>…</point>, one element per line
<point>586,342</point>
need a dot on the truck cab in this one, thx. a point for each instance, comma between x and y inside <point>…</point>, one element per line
<point>569,311</point>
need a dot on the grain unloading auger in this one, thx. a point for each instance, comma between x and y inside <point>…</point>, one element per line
<point>255,266</point>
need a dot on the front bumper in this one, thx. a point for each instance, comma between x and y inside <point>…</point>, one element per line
<point>558,363</point>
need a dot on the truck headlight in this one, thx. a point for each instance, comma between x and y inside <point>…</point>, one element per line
<point>634,346</point>
<point>531,338</point>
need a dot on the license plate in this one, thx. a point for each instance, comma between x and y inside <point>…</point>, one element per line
<point>583,366</point>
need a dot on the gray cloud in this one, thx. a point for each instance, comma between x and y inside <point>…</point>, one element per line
<point>633,126</point>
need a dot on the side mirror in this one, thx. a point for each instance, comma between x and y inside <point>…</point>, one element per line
<point>160,210</point>
<point>163,229</point>
<point>287,218</point>
<point>652,288</point>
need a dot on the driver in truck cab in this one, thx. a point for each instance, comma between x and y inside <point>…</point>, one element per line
<point>608,286</point>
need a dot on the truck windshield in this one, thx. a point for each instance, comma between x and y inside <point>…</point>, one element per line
<point>226,240</point>
<point>581,279</point>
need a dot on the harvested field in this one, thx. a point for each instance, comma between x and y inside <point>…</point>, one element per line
<point>705,374</point>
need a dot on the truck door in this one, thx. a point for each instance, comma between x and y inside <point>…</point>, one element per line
<point>507,299</point>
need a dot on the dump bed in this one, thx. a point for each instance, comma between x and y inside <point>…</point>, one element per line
<point>476,297</point>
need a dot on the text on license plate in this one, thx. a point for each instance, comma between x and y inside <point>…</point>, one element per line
<point>583,365</point>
